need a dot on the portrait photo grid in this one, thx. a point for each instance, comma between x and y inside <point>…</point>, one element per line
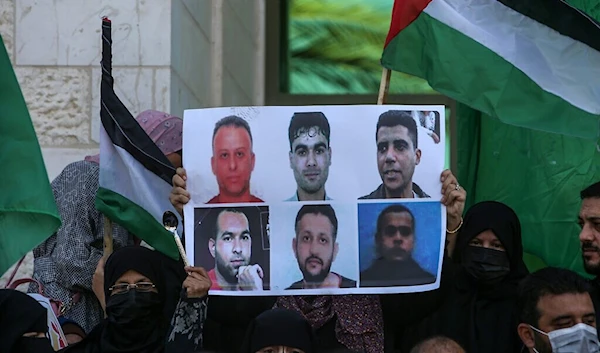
<point>315,200</point>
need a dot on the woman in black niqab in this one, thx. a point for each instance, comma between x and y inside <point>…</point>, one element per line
<point>136,321</point>
<point>480,312</point>
<point>20,314</point>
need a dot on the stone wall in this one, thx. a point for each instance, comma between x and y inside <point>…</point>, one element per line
<point>55,48</point>
<point>168,55</point>
<point>217,53</point>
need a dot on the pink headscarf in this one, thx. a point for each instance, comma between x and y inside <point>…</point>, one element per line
<point>165,130</point>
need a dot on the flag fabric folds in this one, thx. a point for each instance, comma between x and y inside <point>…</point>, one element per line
<point>539,174</point>
<point>135,176</point>
<point>514,60</point>
<point>28,212</point>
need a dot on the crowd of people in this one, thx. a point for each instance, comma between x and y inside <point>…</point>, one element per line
<point>139,300</point>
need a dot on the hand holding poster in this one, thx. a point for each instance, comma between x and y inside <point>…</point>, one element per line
<point>316,199</point>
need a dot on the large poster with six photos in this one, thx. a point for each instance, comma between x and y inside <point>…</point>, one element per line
<point>316,199</point>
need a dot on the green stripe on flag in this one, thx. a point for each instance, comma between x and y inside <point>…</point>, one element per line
<point>28,213</point>
<point>139,221</point>
<point>461,68</point>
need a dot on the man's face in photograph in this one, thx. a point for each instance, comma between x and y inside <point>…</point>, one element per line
<point>233,160</point>
<point>233,245</point>
<point>396,157</point>
<point>310,158</point>
<point>315,247</point>
<point>397,238</point>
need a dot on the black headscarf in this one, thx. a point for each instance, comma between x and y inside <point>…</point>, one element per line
<point>483,317</point>
<point>122,331</point>
<point>139,259</point>
<point>279,327</point>
<point>504,222</point>
<point>21,314</point>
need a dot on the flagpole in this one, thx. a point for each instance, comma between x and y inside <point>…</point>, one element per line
<point>108,237</point>
<point>107,66</point>
<point>384,86</point>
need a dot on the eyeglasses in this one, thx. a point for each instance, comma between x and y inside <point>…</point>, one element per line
<point>125,287</point>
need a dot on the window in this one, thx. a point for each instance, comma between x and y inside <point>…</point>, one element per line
<point>321,52</point>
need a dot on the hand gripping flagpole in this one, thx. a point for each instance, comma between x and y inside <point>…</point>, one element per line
<point>171,222</point>
<point>107,78</point>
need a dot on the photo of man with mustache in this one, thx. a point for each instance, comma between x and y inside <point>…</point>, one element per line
<point>394,243</point>
<point>315,247</point>
<point>397,156</point>
<point>231,246</point>
<point>233,160</point>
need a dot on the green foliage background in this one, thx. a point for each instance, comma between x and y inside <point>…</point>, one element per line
<point>335,47</point>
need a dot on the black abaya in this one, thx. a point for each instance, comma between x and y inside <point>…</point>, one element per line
<point>484,318</point>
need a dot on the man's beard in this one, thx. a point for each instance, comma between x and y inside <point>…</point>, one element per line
<point>592,269</point>
<point>228,272</point>
<point>407,177</point>
<point>401,189</point>
<point>312,188</point>
<point>392,254</point>
<point>319,277</point>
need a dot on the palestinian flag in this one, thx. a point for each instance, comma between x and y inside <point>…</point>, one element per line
<point>135,176</point>
<point>28,213</point>
<point>534,63</point>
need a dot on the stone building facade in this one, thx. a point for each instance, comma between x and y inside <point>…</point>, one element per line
<point>168,55</point>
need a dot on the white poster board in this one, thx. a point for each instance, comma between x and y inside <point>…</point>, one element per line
<point>316,199</point>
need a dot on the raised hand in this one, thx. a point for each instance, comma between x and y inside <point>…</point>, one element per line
<point>197,282</point>
<point>179,195</point>
<point>453,197</point>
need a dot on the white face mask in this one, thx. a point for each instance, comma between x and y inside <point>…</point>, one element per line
<point>580,338</point>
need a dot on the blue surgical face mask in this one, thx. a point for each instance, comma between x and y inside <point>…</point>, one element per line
<point>574,339</point>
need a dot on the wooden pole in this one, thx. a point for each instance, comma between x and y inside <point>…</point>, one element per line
<point>108,237</point>
<point>384,86</point>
